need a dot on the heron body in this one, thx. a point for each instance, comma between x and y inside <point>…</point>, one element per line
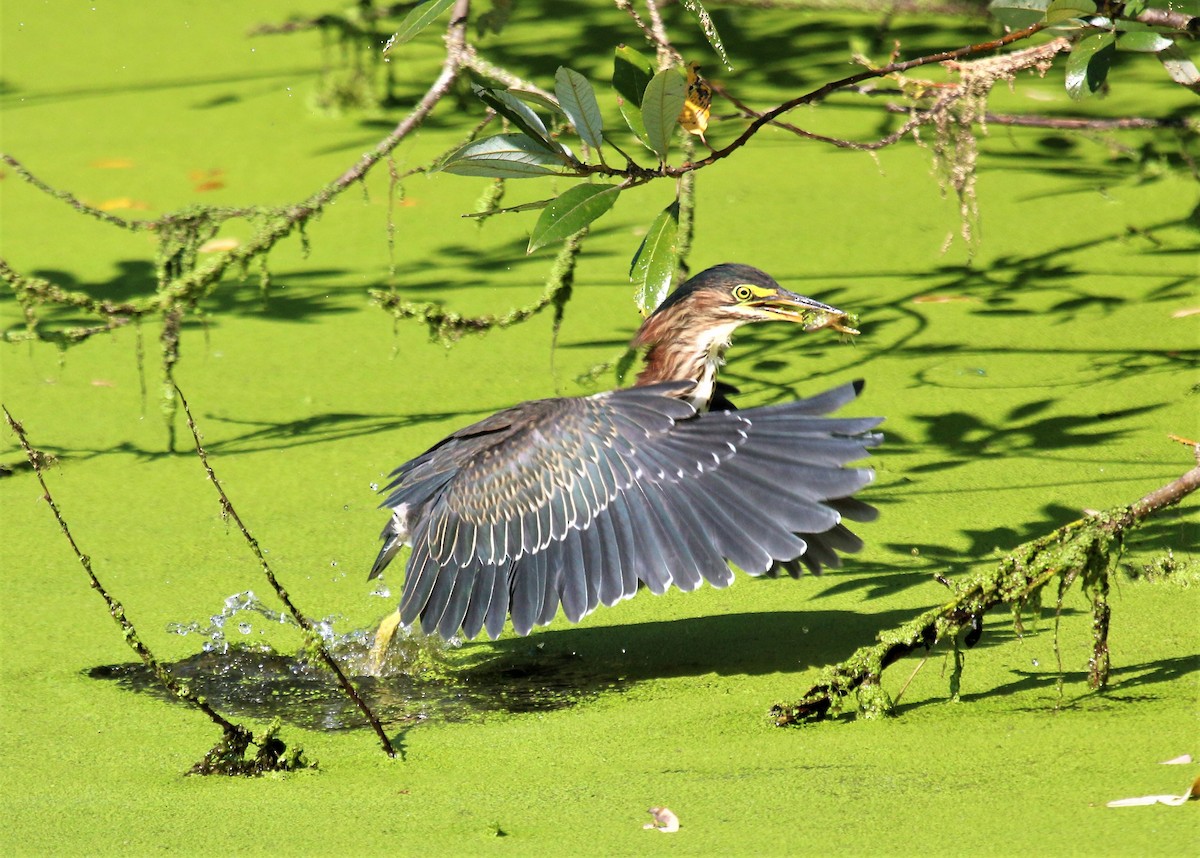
<point>577,501</point>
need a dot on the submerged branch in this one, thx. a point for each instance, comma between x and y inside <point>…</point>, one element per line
<point>1083,550</point>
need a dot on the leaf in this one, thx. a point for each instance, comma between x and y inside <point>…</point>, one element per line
<point>518,113</point>
<point>1088,64</point>
<point>661,104</point>
<point>1018,14</point>
<point>503,156</point>
<point>1181,69</point>
<point>572,211</point>
<point>653,265</point>
<point>523,207</point>
<point>1065,10</point>
<point>709,28</point>
<point>416,21</point>
<point>536,98</point>
<point>632,71</point>
<point>1147,42</point>
<point>578,101</point>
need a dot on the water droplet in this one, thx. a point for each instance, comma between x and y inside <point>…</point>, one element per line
<point>374,487</point>
<point>244,628</point>
<point>1035,662</point>
<point>333,563</point>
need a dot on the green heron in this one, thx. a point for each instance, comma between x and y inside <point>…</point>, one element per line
<point>578,501</point>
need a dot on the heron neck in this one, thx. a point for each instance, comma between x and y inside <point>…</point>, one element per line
<point>698,358</point>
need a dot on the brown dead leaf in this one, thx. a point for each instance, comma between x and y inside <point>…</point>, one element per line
<point>103,382</point>
<point>207,180</point>
<point>1185,312</point>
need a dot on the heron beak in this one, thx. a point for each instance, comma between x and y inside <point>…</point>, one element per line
<point>813,315</point>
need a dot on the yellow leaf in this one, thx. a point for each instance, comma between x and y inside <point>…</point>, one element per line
<point>123,203</point>
<point>698,105</point>
<point>113,163</point>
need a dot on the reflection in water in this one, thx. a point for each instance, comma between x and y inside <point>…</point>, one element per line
<point>418,680</point>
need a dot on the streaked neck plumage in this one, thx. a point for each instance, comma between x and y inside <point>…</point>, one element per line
<point>680,354</point>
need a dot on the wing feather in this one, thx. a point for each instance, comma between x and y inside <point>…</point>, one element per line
<point>576,501</point>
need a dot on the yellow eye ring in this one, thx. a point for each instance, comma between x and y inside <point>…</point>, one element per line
<point>742,293</point>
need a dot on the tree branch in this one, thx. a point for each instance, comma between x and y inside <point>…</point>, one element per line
<point>1081,550</point>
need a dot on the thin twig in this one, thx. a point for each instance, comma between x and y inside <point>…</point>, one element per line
<point>115,609</point>
<point>228,511</point>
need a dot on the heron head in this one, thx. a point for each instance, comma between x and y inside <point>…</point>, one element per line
<point>729,295</point>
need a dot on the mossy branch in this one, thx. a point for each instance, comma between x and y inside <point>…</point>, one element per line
<point>1084,550</point>
<point>310,631</point>
<point>448,326</point>
<point>228,755</point>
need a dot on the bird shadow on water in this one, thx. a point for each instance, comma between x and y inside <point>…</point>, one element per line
<point>550,670</point>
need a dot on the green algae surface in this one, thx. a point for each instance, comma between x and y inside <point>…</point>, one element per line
<point>1022,383</point>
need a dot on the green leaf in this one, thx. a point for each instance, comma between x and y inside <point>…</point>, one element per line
<point>1181,69</point>
<point>632,71</point>
<point>503,156</point>
<point>518,113</point>
<point>1088,64</point>
<point>654,264</point>
<point>1018,14</point>
<point>1147,42</point>
<point>417,20</point>
<point>572,211</point>
<point>709,28</point>
<point>661,104</point>
<point>1065,10</point>
<point>536,98</point>
<point>523,207</point>
<point>578,101</point>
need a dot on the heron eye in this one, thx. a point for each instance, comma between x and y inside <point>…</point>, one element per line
<point>742,293</point>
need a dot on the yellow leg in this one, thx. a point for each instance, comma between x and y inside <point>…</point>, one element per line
<point>385,632</point>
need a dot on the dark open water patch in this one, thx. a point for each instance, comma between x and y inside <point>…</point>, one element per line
<point>262,684</point>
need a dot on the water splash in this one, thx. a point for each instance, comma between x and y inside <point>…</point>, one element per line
<point>418,678</point>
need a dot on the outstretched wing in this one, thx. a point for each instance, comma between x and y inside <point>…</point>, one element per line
<point>577,500</point>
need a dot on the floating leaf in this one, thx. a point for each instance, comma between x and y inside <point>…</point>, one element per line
<point>572,211</point>
<point>653,265</point>
<point>709,28</point>
<point>661,105</point>
<point>1181,69</point>
<point>578,101</point>
<point>1065,10</point>
<point>1018,14</point>
<point>503,156</point>
<point>417,20</point>
<point>1089,63</point>
<point>113,164</point>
